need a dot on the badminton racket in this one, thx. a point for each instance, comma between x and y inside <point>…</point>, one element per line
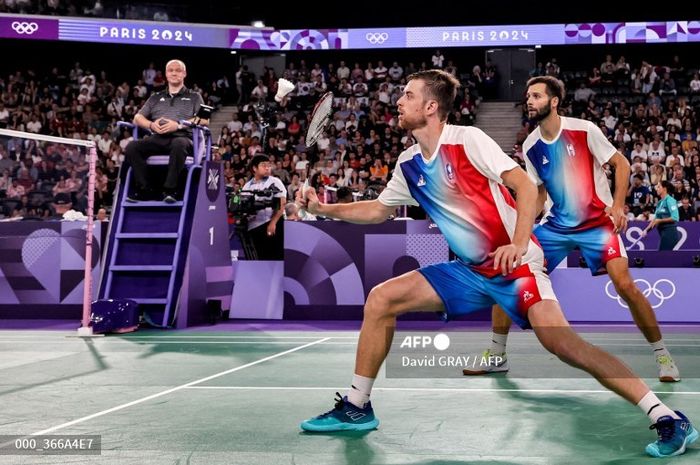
<point>320,117</point>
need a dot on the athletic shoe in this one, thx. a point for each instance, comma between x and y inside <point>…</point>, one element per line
<point>344,417</point>
<point>487,364</point>
<point>668,371</point>
<point>674,436</point>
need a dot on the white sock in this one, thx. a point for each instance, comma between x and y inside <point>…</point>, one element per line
<point>659,347</point>
<point>654,408</point>
<point>498,344</point>
<point>359,391</point>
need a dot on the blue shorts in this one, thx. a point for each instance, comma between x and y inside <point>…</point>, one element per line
<point>598,246</point>
<point>463,290</point>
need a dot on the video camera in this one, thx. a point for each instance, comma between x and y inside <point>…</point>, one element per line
<point>244,203</point>
<point>204,112</point>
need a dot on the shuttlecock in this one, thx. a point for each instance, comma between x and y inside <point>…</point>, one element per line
<point>283,88</point>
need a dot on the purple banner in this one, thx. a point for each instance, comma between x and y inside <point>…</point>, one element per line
<point>330,268</point>
<point>648,32</point>
<point>477,36</point>
<point>42,267</point>
<point>28,27</point>
<point>250,38</point>
<point>394,37</point>
<point>144,33</point>
<point>689,236</point>
<point>670,291</point>
<point>289,39</point>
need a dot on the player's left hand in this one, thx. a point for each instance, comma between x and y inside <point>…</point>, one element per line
<point>271,228</point>
<point>507,257</point>
<point>619,219</point>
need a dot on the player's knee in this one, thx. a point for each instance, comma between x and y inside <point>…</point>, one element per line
<point>378,302</point>
<point>625,287</point>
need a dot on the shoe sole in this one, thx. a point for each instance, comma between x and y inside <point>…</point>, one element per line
<point>668,379</point>
<point>340,427</point>
<point>467,372</point>
<point>689,439</point>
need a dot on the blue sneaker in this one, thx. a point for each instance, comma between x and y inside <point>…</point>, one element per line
<point>344,417</point>
<point>674,436</point>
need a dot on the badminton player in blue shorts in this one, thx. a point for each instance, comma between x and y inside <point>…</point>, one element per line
<point>565,157</point>
<point>458,175</point>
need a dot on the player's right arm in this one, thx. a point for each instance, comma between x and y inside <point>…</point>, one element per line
<point>363,212</point>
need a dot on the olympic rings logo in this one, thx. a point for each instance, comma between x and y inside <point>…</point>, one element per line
<point>657,290</point>
<point>25,27</point>
<point>376,38</point>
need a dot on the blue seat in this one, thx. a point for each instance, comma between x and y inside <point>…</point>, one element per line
<point>201,141</point>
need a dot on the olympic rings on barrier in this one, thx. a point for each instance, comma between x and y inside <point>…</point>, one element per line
<point>24,27</point>
<point>647,291</point>
<point>376,38</point>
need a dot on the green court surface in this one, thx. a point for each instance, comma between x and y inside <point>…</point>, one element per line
<point>196,397</point>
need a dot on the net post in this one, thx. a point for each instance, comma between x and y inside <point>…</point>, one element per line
<point>86,329</point>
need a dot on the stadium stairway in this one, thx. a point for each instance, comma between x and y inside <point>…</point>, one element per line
<point>501,121</point>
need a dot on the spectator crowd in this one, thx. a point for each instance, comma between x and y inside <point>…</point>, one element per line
<point>648,111</point>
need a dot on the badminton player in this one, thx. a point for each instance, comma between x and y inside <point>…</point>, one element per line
<point>457,174</point>
<point>565,157</point>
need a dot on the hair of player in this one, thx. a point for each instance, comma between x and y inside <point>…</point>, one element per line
<point>553,86</point>
<point>441,86</point>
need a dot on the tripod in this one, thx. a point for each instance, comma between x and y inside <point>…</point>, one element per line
<point>241,229</point>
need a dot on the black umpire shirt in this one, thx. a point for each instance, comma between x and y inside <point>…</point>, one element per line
<point>183,105</point>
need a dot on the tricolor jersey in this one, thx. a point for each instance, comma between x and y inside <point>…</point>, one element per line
<point>460,187</point>
<point>570,166</point>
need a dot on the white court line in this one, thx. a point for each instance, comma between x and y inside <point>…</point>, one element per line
<point>314,388</point>
<point>122,341</point>
<point>182,335</point>
<point>532,343</point>
<point>171,390</point>
<point>535,342</point>
<point>59,337</point>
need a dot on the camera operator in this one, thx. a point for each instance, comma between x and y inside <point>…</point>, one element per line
<point>265,228</point>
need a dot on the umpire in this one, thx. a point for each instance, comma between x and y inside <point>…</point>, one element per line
<point>161,115</point>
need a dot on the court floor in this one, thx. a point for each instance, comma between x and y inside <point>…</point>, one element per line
<point>219,397</point>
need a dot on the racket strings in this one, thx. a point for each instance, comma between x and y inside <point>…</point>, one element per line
<point>319,119</point>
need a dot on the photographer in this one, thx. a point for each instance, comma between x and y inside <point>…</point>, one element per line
<point>265,228</point>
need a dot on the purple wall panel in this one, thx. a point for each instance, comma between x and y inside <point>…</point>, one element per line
<point>42,268</point>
